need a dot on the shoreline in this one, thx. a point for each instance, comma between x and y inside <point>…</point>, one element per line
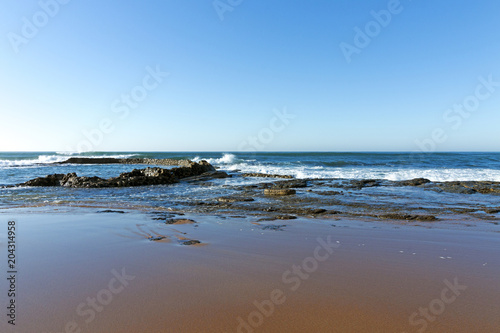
<point>365,285</point>
<point>197,187</point>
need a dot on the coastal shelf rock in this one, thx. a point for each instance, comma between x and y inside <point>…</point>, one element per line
<point>137,177</point>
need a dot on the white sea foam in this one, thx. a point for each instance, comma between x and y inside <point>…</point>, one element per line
<point>70,153</point>
<point>42,159</point>
<point>49,159</point>
<point>302,171</point>
<point>225,159</point>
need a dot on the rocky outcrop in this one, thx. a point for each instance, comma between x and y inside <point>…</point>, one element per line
<point>138,177</point>
<point>111,160</point>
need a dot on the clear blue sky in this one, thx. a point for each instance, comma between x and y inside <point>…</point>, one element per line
<point>227,76</point>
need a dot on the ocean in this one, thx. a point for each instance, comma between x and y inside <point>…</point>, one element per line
<point>16,168</point>
<point>20,167</point>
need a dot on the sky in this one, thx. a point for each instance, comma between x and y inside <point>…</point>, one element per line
<point>240,75</point>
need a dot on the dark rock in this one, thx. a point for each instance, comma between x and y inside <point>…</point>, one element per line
<point>329,193</point>
<point>51,180</point>
<point>201,179</point>
<point>190,242</point>
<point>471,187</point>
<point>426,218</point>
<point>317,211</point>
<point>162,216</point>
<point>156,238</point>
<point>235,199</point>
<point>218,174</point>
<point>408,217</point>
<point>91,160</point>
<point>194,169</point>
<point>414,182</point>
<point>112,211</point>
<point>299,183</point>
<point>359,184</point>
<point>302,211</point>
<point>179,221</point>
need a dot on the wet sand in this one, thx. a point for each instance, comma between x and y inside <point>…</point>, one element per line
<point>373,277</point>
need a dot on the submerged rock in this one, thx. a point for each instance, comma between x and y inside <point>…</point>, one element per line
<point>156,238</point>
<point>179,221</point>
<point>409,217</point>
<point>329,193</point>
<point>190,242</point>
<point>274,227</point>
<point>456,187</point>
<point>235,199</point>
<point>112,211</point>
<point>470,187</point>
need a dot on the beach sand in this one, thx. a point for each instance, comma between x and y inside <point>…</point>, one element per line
<point>373,277</point>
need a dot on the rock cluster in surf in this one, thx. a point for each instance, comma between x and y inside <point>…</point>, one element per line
<point>137,177</point>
